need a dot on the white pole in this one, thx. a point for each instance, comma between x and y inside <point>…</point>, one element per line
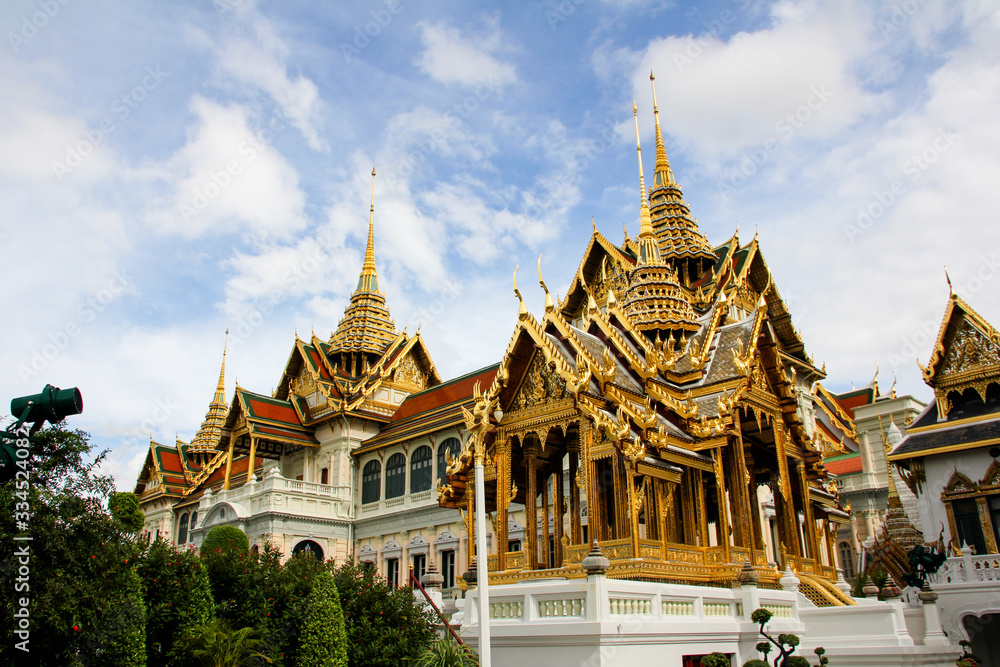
<point>482,569</point>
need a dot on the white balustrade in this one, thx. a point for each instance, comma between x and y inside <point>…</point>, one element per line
<point>677,607</point>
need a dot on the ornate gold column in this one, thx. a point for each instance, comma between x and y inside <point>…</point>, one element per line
<point>503,498</point>
<point>253,455</point>
<point>530,506</point>
<point>688,502</point>
<point>621,490</point>
<point>557,511</point>
<point>702,509</point>
<point>229,464</point>
<point>575,532</point>
<point>987,524</point>
<point>785,489</point>
<point>720,489</point>
<point>814,550</point>
<point>545,521</point>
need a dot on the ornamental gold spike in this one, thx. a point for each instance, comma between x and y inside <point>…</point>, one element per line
<point>549,304</point>
<point>663,174</point>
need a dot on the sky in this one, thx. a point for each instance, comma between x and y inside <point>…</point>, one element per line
<point>171,170</point>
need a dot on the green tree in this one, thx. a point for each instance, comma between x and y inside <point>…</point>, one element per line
<point>126,510</point>
<point>715,660</point>
<point>385,625</point>
<point>177,596</point>
<point>85,600</point>
<point>229,540</point>
<point>323,637</point>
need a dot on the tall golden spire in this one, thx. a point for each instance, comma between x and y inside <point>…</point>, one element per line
<point>366,326</point>
<point>368,280</point>
<point>663,175</point>
<point>681,242</point>
<point>211,429</point>
<point>648,252</point>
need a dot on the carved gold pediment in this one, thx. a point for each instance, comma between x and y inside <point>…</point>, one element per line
<point>539,386</point>
<point>971,350</point>
<point>408,373</point>
<point>612,278</point>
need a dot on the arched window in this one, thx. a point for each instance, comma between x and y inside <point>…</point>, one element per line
<point>450,445</point>
<point>395,476</point>
<point>194,520</point>
<point>421,472</point>
<point>308,548</point>
<point>371,482</point>
<point>846,559</point>
<point>182,531</point>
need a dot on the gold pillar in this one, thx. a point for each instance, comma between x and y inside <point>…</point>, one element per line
<point>987,524</point>
<point>701,509</point>
<point>251,466</point>
<point>807,508</point>
<point>229,464</point>
<point>633,510</point>
<point>557,507</point>
<point>621,495</point>
<point>687,494</point>
<point>575,531</point>
<point>530,506</point>
<point>545,521</point>
<point>720,489</point>
<point>787,502</point>
<point>741,489</point>
<point>503,500</point>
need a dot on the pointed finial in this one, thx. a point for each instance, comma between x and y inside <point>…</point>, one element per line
<point>220,389</point>
<point>648,251</point>
<point>549,305</point>
<point>522,311</point>
<point>593,223</point>
<point>951,289</point>
<point>368,280</point>
<point>663,174</point>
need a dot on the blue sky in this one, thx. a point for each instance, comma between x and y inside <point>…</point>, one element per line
<point>171,170</point>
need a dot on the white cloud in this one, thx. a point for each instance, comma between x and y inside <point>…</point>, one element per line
<point>451,57</point>
<point>260,60</point>
<point>796,78</point>
<point>228,178</point>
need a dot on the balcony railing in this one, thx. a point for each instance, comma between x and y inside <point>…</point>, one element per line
<point>968,569</point>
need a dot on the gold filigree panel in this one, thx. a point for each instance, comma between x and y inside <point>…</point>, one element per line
<point>970,350</point>
<point>539,386</point>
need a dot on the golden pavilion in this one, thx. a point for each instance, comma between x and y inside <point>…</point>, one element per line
<point>656,400</point>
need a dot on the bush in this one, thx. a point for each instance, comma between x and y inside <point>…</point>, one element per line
<point>447,653</point>
<point>797,661</point>
<point>216,643</point>
<point>385,625</point>
<point>229,539</point>
<point>755,663</point>
<point>323,637</point>
<point>177,596</point>
<point>716,660</point>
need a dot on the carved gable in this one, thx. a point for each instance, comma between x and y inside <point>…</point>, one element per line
<point>970,350</point>
<point>540,385</point>
<point>408,373</point>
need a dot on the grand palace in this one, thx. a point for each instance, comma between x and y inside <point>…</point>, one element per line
<point>665,410</point>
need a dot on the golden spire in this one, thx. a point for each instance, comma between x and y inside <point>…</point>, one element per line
<point>366,326</point>
<point>211,429</point>
<point>663,174</point>
<point>368,281</point>
<point>648,252</point>
<point>220,390</point>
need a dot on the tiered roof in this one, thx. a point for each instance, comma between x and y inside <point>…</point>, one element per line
<point>677,231</point>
